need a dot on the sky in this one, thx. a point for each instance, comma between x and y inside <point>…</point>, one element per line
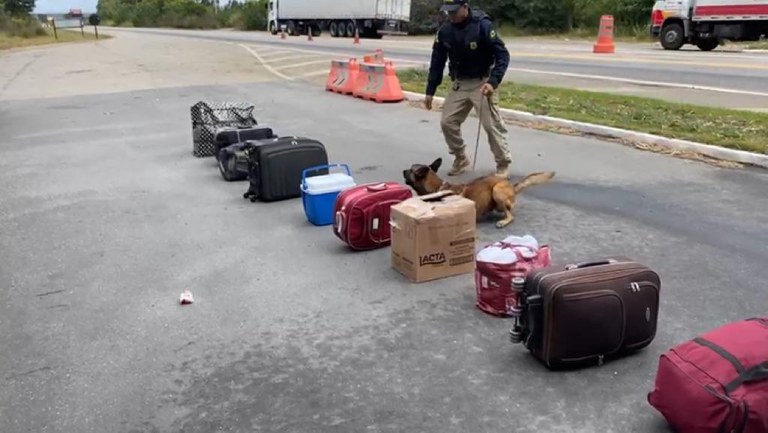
<point>53,6</point>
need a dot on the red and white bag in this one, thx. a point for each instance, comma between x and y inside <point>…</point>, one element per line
<point>716,382</point>
<point>362,214</point>
<point>498,264</point>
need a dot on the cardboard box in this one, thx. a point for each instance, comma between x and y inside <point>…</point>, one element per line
<point>433,236</point>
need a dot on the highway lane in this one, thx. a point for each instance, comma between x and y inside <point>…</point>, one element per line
<point>106,217</point>
<point>734,79</point>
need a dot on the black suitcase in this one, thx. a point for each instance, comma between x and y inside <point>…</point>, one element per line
<point>228,135</point>
<point>586,313</point>
<point>275,166</point>
<point>233,162</point>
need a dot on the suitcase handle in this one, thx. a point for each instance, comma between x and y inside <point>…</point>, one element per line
<point>589,264</point>
<point>532,336</point>
<point>376,187</point>
<point>320,167</point>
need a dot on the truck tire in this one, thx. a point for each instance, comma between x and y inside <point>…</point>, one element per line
<point>292,29</point>
<point>272,27</point>
<point>351,29</point>
<point>333,29</point>
<point>672,36</point>
<point>707,44</point>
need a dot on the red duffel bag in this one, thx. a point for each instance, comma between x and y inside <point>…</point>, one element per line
<point>362,214</point>
<point>717,382</point>
<point>498,264</point>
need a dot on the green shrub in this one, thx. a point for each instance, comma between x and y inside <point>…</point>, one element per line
<point>250,16</point>
<point>158,13</point>
<point>22,27</point>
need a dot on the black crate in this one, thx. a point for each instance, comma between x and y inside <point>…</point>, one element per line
<point>207,117</point>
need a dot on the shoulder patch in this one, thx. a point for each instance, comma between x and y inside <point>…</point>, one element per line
<point>493,34</point>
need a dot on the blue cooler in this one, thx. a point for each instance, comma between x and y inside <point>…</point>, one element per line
<point>318,193</point>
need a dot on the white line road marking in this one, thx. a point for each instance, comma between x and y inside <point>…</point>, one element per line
<point>271,50</point>
<point>270,54</point>
<point>297,65</point>
<point>348,55</point>
<point>269,68</point>
<point>531,71</point>
<point>282,59</point>
<point>641,82</point>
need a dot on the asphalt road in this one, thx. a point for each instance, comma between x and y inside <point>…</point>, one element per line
<point>106,218</point>
<point>723,78</point>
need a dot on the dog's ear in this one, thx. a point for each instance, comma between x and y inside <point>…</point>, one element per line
<point>436,164</point>
<point>421,172</point>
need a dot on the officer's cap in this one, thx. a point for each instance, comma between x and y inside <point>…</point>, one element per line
<point>452,5</point>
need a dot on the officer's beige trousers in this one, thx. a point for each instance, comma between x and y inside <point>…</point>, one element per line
<point>456,108</point>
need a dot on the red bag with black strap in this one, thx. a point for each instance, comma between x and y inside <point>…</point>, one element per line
<point>362,214</point>
<point>716,382</point>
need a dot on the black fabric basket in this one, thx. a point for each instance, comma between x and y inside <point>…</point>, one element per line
<point>207,117</point>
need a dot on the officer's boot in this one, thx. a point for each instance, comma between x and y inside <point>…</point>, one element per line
<point>459,165</point>
<point>502,169</point>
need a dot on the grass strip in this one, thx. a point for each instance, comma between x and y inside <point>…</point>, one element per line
<point>7,42</point>
<point>734,129</point>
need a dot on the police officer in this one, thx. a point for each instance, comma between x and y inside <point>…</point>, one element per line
<point>478,62</point>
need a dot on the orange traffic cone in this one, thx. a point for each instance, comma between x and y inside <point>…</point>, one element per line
<point>309,35</point>
<point>604,44</point>
<point>357,37</point>
<point>282,33</point>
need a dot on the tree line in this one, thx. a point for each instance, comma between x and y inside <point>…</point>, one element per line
<point>202,14</point>
<point>524,16</point>
<point>16,21</point>
<point>545,16</point>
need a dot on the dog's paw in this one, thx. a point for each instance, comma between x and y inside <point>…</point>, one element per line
<point>253,199</point>
<point>502,224</point>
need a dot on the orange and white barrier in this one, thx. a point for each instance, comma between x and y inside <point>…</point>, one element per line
<point>378,83</point>
<point>377,57</point>
<point>374,79</point>
<point>342,76</point>
<point>604,44</point>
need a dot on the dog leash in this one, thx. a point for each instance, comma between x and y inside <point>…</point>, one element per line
<point>479,125</point>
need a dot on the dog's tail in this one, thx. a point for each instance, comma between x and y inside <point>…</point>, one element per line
<point>534,179</point>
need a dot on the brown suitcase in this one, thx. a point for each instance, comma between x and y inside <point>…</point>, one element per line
<point>584,313</point>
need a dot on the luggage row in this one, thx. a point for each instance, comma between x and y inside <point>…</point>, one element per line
<point>570,316</point>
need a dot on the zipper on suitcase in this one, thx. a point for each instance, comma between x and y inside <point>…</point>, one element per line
<point>629,270</point>
<point>548,314</point>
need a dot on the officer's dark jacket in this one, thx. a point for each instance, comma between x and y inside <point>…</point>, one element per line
<point>473,47</point>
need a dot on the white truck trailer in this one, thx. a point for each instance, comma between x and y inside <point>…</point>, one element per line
<point>371,18</point>
<point>705,23</point>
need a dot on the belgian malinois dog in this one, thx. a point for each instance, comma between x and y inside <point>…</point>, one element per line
<point>488,192</point>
